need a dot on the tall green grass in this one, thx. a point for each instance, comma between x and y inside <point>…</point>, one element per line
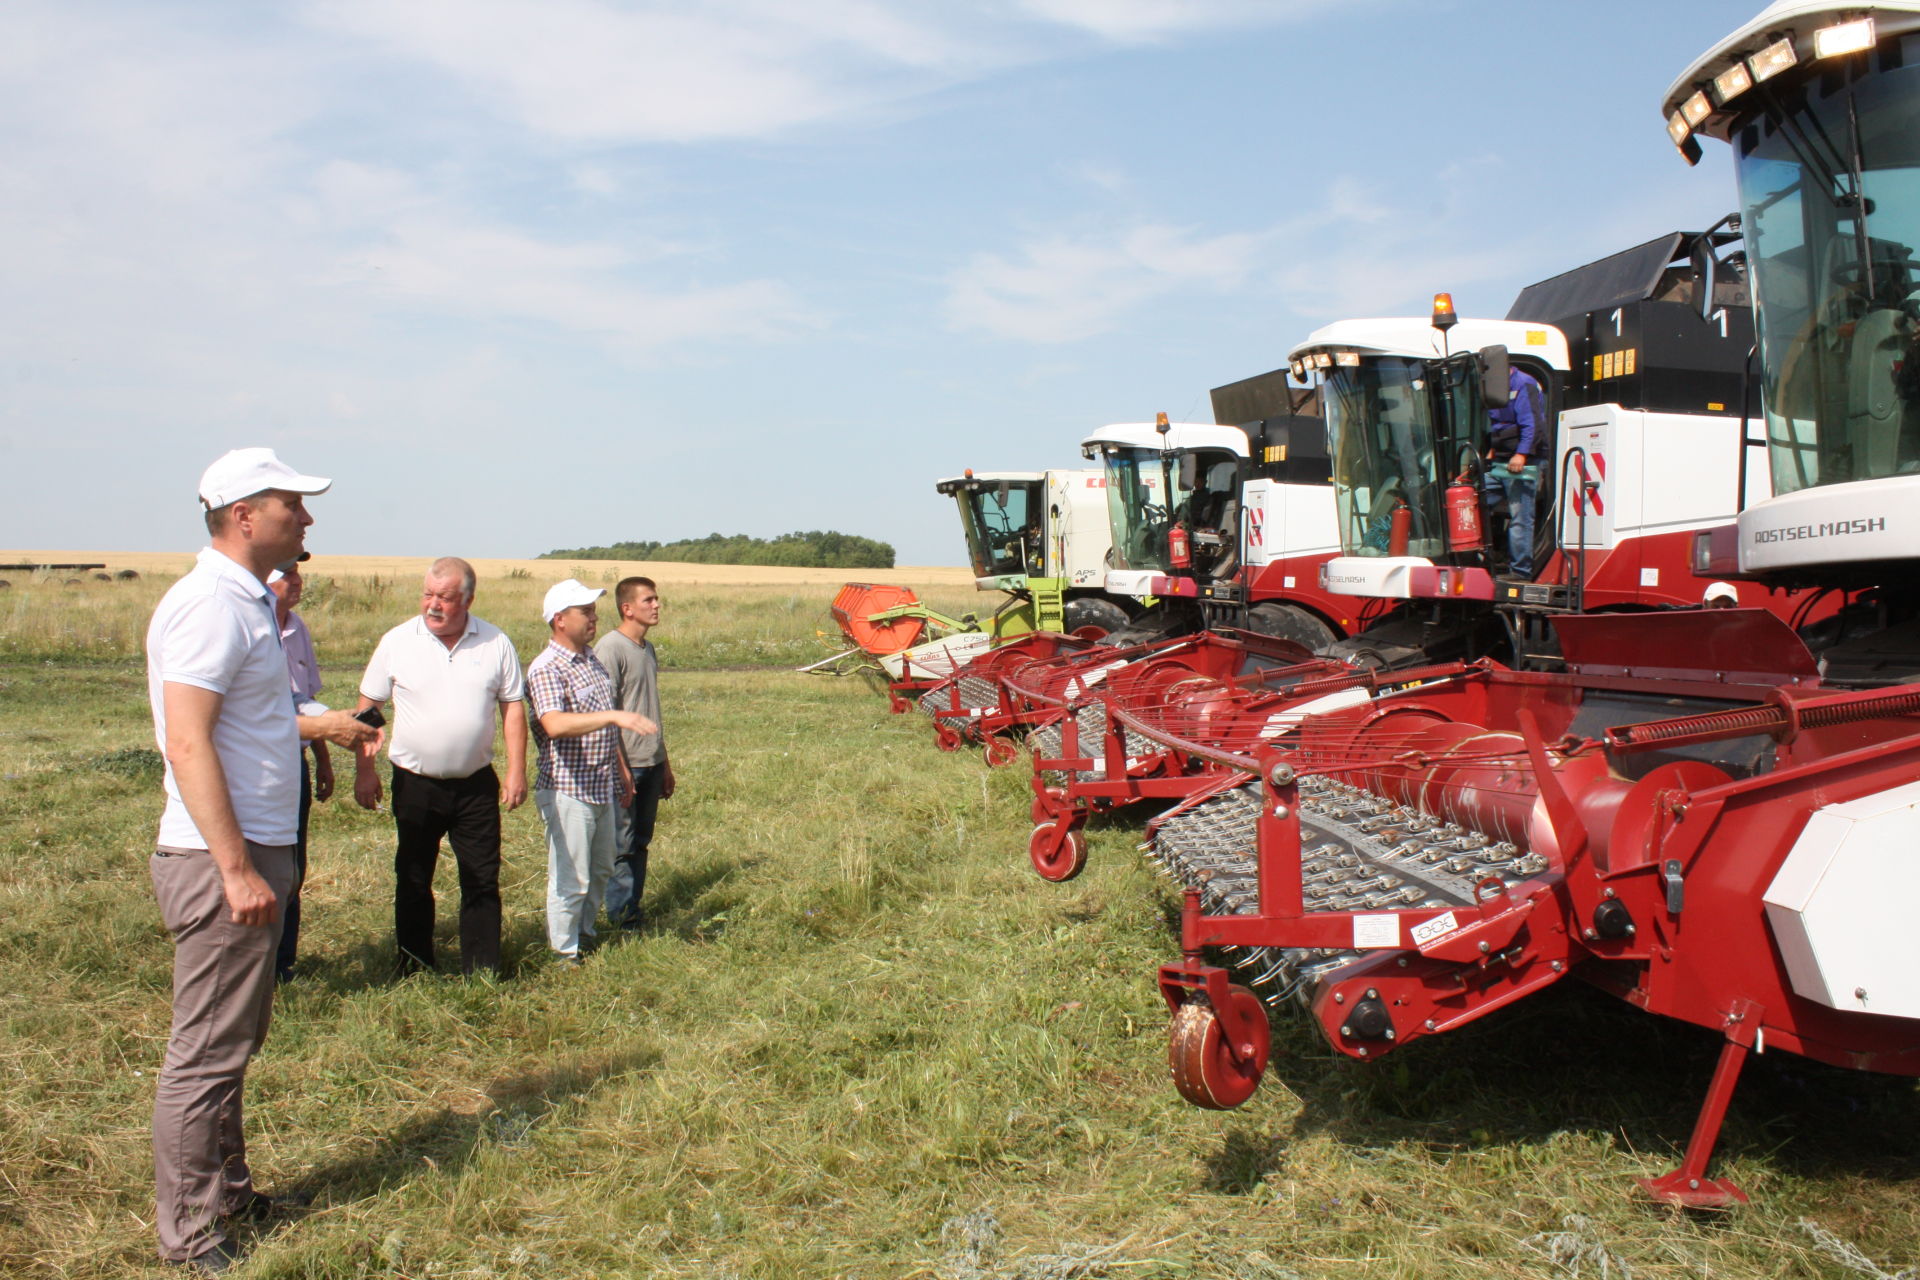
<point>860,1039</point>
<point>45,620</point>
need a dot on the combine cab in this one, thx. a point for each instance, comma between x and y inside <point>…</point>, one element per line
<point>1224,525</point>
<point>1041,537</point>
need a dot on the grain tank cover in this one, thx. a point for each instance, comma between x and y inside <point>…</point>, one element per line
<point>1663,327</point>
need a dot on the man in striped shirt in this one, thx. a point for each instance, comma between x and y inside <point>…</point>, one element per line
<point>583,771</point>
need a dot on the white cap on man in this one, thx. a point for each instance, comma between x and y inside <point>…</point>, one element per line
<point>562,596</point>
<point>1721,591</point>
<point>241,473</point>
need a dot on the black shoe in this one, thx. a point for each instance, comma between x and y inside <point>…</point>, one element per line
<point>218,1260</point>
<point>264,1208</point>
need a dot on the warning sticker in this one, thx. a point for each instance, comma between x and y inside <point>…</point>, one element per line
<point>1376,931</point>
<point>1438,927</point>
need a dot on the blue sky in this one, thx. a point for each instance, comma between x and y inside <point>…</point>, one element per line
<point>524,275</point>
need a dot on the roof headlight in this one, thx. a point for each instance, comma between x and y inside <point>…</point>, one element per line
<point>1772,60</point>
<point>1322,360</point>
<point>1678,129</point>
<point>1696,108</point>
<point>1846,37</point>
<point>1347,359</point>
<point>1732,82</point>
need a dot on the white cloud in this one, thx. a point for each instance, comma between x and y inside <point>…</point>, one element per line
<point>491,272</point>
<point>597,71</point>
<point>1130,21</point>
<point>1061,290</point>
<point>593,71</point>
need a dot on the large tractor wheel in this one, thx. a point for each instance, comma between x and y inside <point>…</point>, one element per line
<point>1092,618</point>
<point>1206,1071</point>
<point>1290,622</point>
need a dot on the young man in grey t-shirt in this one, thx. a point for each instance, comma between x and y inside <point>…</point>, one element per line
<point>629,658</point>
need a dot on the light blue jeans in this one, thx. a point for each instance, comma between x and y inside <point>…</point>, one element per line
<point>1518,486</point>
<point>579,861</point>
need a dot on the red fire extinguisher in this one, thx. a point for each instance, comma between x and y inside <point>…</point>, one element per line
<point>1177,549</point>
<point>1399,528</point>
<point>1463,516</point>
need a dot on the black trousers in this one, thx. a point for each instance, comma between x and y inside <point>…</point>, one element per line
<point>290,909</point>
<point>466,811</point>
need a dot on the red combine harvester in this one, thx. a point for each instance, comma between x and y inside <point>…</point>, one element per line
<point>1705,813</point>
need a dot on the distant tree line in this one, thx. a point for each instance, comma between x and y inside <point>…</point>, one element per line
<point>811,550</point>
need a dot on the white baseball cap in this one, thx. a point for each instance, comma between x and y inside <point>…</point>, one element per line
<point>564,595</point>
<point>241,473</point>
<point>1721,591</point>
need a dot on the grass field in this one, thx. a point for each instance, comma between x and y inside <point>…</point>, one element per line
<point>860,1039</point>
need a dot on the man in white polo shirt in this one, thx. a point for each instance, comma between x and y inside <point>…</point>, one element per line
<point>224,717</point>
<point>447,672</point>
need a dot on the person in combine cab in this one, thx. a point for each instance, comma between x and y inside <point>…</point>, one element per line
<point>448,674</point>
<point>1515,429</point>
<point>583,770</point>
<point>630,660</point>
<point>223,863</point>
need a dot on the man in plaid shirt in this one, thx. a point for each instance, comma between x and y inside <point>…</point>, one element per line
<point>583,771</point>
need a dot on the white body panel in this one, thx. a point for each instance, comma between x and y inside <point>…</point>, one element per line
<point>1840,906</point>
<point>1133,582</point>
<point>1658,473</point>
<point>1078,535</point>
<point>1833,524</point>
<point>1381,577</point>
<point>1282,520</point>
<point>938,657</point>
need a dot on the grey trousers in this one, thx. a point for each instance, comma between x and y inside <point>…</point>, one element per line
<point>222,1003</point>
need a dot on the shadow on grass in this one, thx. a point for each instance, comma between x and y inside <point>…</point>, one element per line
<point>1575,1059</point>
<point>446,1140</point>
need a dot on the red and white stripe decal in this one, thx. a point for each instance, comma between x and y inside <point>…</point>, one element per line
<point>1580,490</point>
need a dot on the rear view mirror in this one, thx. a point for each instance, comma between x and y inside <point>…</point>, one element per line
<point>1493,377</point>
<point>1189,478</point>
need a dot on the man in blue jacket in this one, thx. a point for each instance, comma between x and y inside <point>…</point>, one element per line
<point>1511,472</point>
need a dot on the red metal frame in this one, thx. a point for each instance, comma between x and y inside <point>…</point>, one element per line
<point>1686,849</point>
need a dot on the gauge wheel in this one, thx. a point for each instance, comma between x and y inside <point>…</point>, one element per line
<point>1058,856</point>
<point>1205,1070</point>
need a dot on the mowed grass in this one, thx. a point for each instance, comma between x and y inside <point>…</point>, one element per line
<point>860,1039</point>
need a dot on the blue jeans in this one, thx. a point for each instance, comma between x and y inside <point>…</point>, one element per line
<point>579,860</point>
<point>1518,488</point>
<point>633,833</point>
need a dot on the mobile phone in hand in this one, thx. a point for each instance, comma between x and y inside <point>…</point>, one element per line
<point>371,717</point>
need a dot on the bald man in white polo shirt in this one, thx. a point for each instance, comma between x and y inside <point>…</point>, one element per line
<point>223,863</point>
<point>447,673</point>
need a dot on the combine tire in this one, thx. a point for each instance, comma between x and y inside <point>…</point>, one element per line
<point>1092,618</point>
<point>1055,854</point>
<point>1205,1071</point>
<point>1290,622</point>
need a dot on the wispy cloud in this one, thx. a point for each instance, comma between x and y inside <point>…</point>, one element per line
<point>1060,290</point>
<point>1354,252</point>
<point>1132,21</point>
